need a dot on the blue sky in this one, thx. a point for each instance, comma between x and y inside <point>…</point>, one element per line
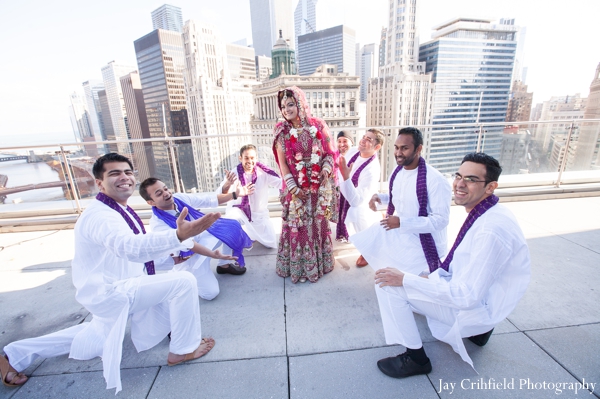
<point>51,47</point>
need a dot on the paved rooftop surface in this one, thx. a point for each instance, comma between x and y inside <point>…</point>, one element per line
<point>275,339</point>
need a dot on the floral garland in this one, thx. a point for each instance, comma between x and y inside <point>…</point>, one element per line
<point>306,181</point>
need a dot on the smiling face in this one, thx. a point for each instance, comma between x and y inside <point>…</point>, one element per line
<point>405,152</point>
<point>162,198</point>
<point>469,194</point>
<point>248,160</point>
<point>118,181</point>
<point>344,145</point>
<point>289,109</point>
<point>368,144</point>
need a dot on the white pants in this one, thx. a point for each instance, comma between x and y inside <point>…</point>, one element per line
<point>176,291</point>
<point>399,325</point>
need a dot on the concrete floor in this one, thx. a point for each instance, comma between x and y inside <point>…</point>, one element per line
<point>275,339</point>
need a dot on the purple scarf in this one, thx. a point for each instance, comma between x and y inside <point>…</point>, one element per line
<point>475,213</point>
<point>111,203</point>
<point>227,230</point>
<point>245,205</point>
<point>427,241</point>
<point>341,230</point>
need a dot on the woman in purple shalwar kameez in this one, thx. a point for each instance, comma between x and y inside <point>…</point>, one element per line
<point>307,158</point>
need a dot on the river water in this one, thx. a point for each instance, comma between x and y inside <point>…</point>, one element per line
<point>21,173</point>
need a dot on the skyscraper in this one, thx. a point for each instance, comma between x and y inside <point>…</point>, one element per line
<point>161,62</point>
<point>402,92</point>
<point>402,42</point>
<point>367,66</point>
<point>305,18</point>
<point>111,73</point>
<point>335,45</point>
<point>587,154</point>
<point>138,124</point>
<point>90,90</point>
<point>268,17</point>
<point>218,105</point>
<point>519,104</point>
<point>471,61</point>
<point>80,120</point>
<point>106,121</point>
<point>167,17</point>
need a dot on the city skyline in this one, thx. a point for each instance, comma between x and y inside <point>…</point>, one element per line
<point>83,38</point>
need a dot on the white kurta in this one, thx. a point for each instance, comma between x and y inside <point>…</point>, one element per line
<point>198,265</point>
<point>108,263</point>
<point>360,216</point>
<point>487,277</point>
<point>401,247</point>
<point>260,228</point>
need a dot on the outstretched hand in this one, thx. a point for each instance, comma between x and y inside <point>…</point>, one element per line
<point>248,189</point>
<point>218,255</point>
<point>187,229</point>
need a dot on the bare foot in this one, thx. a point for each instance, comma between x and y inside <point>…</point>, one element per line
<point>205,346</point>
<point>10,376</point>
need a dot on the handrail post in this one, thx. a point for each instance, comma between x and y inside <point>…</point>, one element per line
<point>71,181</point>
<point>563,164</point>
<point>479,137</point>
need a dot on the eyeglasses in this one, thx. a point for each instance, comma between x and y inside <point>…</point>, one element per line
<point>468,179</point>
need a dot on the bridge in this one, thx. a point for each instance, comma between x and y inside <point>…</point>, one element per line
<point>14,158</point>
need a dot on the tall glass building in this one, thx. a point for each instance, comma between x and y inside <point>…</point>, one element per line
<point>161,62</point>
<point>167,17</point>
<point>335,45</point>
<point>471,61</point>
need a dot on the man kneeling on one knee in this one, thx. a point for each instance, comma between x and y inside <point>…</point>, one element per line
<point>478,284</point>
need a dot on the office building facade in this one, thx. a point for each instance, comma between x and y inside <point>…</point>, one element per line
<point>335,45</point>
<point>305,18</point>
<point>138,125</point>
<point>268,17</point>
<point>161,63</point>
<point>587,154</point>
<point>218,105</point>
<point>167,17</point>
<point>471,62</point>
<point>111,74</point>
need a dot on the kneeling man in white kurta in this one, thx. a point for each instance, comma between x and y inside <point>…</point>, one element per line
<point>112,273</point>
<point>478,284</point>
<point>251,211</point>
<point>225,234</point>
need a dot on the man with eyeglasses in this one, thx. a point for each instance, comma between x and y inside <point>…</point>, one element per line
<point>359,179</point>
<point>478,284</point>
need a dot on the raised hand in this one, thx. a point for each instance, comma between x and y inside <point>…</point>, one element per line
<point>248,189</point>
<point>230,178</point>
<point>344,168</point>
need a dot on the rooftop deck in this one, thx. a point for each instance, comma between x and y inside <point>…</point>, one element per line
<point>275,339</point>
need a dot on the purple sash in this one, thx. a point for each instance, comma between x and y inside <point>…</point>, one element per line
<point>341,230</point>
<point>427,241</point>
<point>111,203</point>
<point>245,205</point>
<point>475,213</point>
<point>227,230</point>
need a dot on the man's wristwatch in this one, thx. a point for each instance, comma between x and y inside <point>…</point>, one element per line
<point>234,195</point>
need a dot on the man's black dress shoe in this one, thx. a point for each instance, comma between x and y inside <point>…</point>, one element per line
<point>402,366</point>
<point>481,339</point>
<point>231,269</point>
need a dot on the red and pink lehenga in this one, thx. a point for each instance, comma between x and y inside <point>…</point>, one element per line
<point>305,246</point>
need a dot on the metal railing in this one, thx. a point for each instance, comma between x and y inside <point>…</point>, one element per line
<point>473,134</point>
